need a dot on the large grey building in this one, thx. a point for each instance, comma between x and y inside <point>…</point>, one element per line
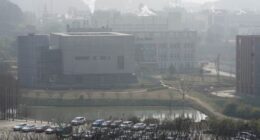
<point>248,64</point>
<point>32,50</point>
<point>161,49</point>
<point>80,60</point>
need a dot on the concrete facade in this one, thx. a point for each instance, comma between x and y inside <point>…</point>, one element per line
<point>76,60</point>
<point>95,53</point>
<point>32,50</point>
<point>165,48</point>
<point>248,64</point>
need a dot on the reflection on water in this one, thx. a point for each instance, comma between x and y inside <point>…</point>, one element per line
<point>92,113</point>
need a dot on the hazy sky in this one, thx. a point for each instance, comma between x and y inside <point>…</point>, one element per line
<point>199,1</point>
<point>62,6</point>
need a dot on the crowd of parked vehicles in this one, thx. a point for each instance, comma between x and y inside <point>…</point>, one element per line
<point>81,129</point>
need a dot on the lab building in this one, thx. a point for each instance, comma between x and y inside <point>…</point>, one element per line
<point>76,60</point>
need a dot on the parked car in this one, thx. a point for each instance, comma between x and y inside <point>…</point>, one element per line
<point>106,123</point>
<point>41,129</point>
<point>77,136</point>
<point>116,123</point>
<point>64,131</point>
<point>151,127</point>
<point>98,123</point>
<point>19,127</point>
<point>28,128</point>
<point>88,135</point>
<point>139,126</point>
<point>126,124</point>
<point>78,121</point>
<point>246,135</point>
<point>51,130</point>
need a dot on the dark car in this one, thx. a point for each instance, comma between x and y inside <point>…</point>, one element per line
<point>41,129</point>
<point>116,123</point>
<point>64,131</point>
<point>78,121</point>
<point>28,128</point>
<point>19,127</point>
<point>97,123</point>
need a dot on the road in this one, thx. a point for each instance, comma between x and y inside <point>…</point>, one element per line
<point>4,124</point>
<point>197,101</point>
<point>212,69</point>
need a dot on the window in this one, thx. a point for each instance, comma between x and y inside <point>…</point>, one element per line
<point>103,57</point>
<point>120,62</point>
<point>82,57</point>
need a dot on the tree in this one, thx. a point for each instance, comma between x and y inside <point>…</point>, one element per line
<point>89,94</point>
<point>10,16</point>
<point>172,70</point>
<point>184,87</point>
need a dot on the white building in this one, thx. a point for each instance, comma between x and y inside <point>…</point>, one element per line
<point>95,53</point>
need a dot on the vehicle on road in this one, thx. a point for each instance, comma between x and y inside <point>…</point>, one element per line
<point>88,135</point>
<point>41,129</point>
<point>116,123</point>
<point>51,130</point>
<point>139,126</point>
<point>126,124</point>
<point>106,123</point>
<point>98,123</point>
<point>28,128</point>
<point>78,121</point>
<point>19,127</point>
<point>151,127</point>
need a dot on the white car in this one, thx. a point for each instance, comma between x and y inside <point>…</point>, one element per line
<point>51,130</point>
<point>78,121</point>
<point>126,124</point>
<point>28,128</point>
<point>139,126</point>
<point>19,127</point>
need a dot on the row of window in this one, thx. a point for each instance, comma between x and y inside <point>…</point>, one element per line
<point>93,58</point>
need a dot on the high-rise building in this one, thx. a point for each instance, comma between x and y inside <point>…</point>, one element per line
<point>248,64</point>
<point>32,51</point>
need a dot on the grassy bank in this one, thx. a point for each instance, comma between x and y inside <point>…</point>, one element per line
<point>103,102</point>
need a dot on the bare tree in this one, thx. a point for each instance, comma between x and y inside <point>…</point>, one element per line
<point>89,94</point>
<point>117,95</point>
<point>184,87</point>
<point>103,95</point>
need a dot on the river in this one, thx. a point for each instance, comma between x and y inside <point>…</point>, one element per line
<point>92,113</point>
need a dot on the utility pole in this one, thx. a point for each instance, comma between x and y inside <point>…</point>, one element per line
<point>218,67</point>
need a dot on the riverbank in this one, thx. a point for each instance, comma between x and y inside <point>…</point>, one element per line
<point>160,97</point>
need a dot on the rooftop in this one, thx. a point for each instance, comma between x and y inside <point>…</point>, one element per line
<point>91,34</point>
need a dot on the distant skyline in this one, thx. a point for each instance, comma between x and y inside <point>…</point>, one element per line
<point>62,6</point>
